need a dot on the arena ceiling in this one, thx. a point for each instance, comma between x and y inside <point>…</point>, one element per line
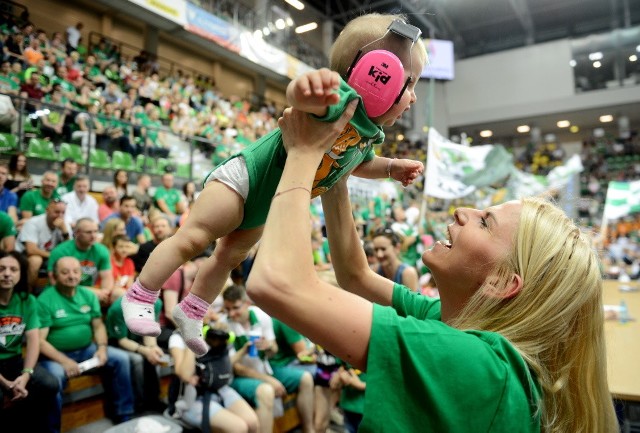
<point>484,26</point>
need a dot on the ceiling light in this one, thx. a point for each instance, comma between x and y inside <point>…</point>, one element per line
<point>572,63</point>
<point>266,31</point>
<point>563,123</point>
<point>606,118</point>
<point>258,34</point>
<point>486,133</point>
<point>400,137</point>
<point>574,129</point>
<point>633,58</point>
<point>638,48</point>
<point>289,21</point>
<point>597,64</point>
<point>280,25</point>
<point>307,27</point>
<point>296,4</point>
<point>595,56</point>
<point>523,129</point>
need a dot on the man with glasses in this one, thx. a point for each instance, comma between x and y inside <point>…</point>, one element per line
<point>93,257</point>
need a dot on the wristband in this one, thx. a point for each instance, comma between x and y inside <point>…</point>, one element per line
<point>389,167</point>
<point>27,370</point>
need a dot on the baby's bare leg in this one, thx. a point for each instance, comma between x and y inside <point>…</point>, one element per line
<point>218,211</point>
<point>209,282</point>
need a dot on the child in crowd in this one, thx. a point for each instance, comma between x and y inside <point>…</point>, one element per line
<point>381,58</point>
<point>121,264</point>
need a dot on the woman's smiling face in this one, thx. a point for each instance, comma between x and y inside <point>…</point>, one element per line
<point>478,239</point>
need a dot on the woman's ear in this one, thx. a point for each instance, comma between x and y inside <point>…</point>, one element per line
<point>511,289</point>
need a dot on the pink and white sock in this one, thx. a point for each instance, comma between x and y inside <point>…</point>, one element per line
<point>138,311</point>
<point>188,315</point>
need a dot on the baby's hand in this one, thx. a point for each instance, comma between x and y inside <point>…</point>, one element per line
<point>405,171</point>
<point>313,90</point>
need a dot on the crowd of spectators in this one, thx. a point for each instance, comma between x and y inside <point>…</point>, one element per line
<point>73,243</point>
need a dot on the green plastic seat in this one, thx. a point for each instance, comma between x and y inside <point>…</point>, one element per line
<point>99,158</point>
<point>41,149</point>
<point>146,164</point>
<point>8,143</point>
<point>184,170</point>
<point>73,151</point>
<point>122,161</point>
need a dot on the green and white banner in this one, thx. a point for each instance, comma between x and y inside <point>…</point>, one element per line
<point>623,198</point>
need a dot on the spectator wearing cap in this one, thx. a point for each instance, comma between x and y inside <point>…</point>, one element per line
<point>80,204</point>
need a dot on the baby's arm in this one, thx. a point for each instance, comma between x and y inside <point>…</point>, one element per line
<point>402,170</point>
<point>313,91</point>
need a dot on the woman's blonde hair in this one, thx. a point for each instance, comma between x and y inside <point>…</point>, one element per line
<point>107,232</point>
<point>556,321</point>
<point>365,29</point>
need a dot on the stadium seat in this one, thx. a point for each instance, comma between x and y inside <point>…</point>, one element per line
<point>146,164</point>
<point>8,143</point>
<point>41,149</point>
<point>99,158</point>
<point>122,161</point>
<point>165,165</point>
<point>73,151</point>
<point>184,170</point>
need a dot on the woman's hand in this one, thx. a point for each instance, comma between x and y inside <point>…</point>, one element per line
<point>301,132</point>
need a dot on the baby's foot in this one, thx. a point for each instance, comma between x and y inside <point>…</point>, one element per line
<point>137,308</point>
<point>191,331</point>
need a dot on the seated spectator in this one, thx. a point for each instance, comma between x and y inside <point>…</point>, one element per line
<point>53,123</point>
<point>121,182</point>
<point>72,331</point>
<point>167,198</point>
<point>353,383</point>
<point>386,244</point>
<point>155,141</point>
<point>34,202</point>
<point>296,351</point>
<point>40,235</point>
<point>123,269</point>
<point>110,229</point>
<point>109,204</point>
<point>144,201</point>
<point>80,204</point>
<point>161,228</point>
<point>96,263</point>
<point>144,355</point>
<point>26,384</point>
<point>8,198</point>
<point>88,128</point>
<point>19,180</point>
<point>133,224</point>
<point>7,232</point>
<point>255,379</point>
<point>215,406</point>
<point>67,176</point>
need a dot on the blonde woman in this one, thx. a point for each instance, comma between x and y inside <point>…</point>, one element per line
<point>514,344</point>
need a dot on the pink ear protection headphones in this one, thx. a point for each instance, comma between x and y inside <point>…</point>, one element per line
<point>378,76</point>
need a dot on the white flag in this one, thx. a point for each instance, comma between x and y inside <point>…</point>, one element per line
<point>448,164</point>
<point>623,198</point>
